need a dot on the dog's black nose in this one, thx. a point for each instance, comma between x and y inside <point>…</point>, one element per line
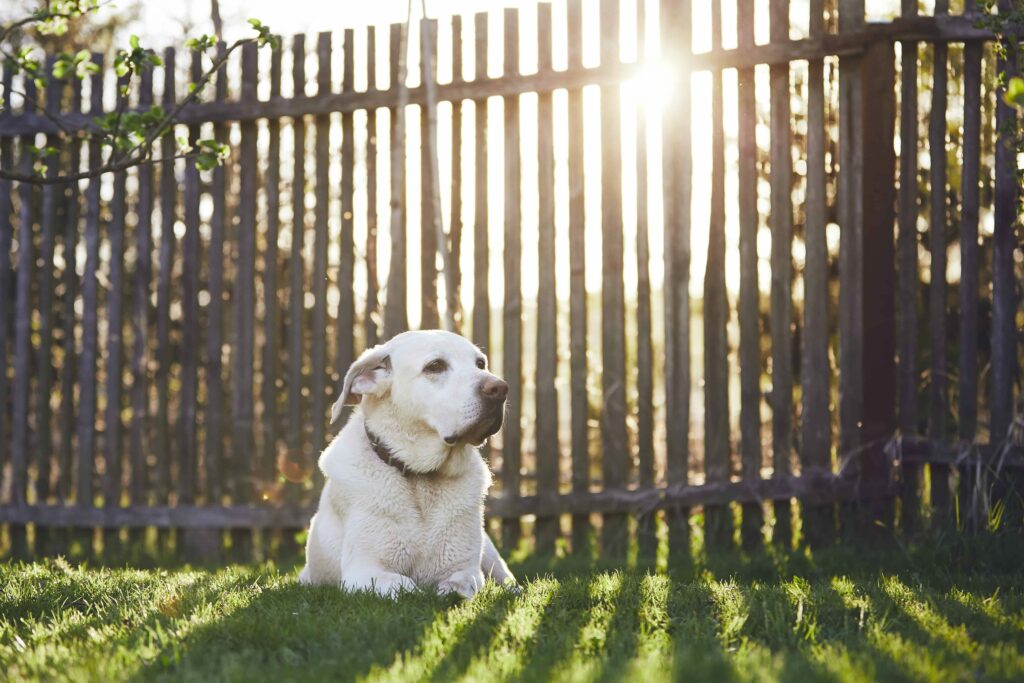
<point>494,389</point>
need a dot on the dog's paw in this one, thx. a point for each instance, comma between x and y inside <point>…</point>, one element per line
<point>465,583</point>
<point>384,585</point>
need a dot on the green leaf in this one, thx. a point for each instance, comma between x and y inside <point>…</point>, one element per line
<point>134,42</point>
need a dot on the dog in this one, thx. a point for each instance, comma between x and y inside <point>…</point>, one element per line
<point>402,506</point>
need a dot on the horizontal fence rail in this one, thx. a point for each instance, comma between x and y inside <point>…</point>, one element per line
<point>719,284</point>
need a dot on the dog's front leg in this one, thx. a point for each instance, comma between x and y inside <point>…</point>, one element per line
<point>368,576</point>
<point>466,582</point>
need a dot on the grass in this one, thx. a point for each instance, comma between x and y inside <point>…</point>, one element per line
<point>844,614</point>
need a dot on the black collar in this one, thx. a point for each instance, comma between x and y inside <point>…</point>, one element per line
<point>386,455</point>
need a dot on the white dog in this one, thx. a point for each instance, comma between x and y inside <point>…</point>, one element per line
<point>403,503</point>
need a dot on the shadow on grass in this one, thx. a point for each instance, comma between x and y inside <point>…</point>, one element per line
<point>287,628</point>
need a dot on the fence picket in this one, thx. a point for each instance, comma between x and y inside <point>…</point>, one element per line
<point>269,422</point>
<point>781,222</point>
<point>345,353</point>
<point>297,264</point>
<point>546,449</point>
<point>677,193</point>
<point>481,242</point>
<point>908,271</point>
<point>512,309</point>
<point>749,296</point>
<point>6,271</point>
<point>938,401</point>
<point>322,154</point>
<point>647,538</point>
<point>396,315</point>
<point>717,519</point>
<point>818,523</point>
<point>215,394</point>
<point>371,314</point>
<point>429,317</point>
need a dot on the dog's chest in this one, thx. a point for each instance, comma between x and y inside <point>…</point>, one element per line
<point>441,528</point>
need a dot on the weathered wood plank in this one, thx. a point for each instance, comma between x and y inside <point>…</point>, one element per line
<point>429,318</point>
<point>345,352</point>
<point>677,192</point>
<point>396,315</point>
<point>322,154</point>
<point>877,199</point>
<point>909,287</point>
<point>270,421</point>
<point>481,236</point>
<point>781,223</point>
<point>168,192</point>
<point>243,295</point>
<point>816,489</point>
<point>87,362</point>
<point>970,186</point>
<point>547,451</point>
<point>142,277</point>
<point>615,464</point>
<point>6,275</point>
<point>188,437</point>
<point>512,310</point>
<point>296,262</point>
<point>453,289</point>
<point>749,295</point>
<point>816,420</point>
<point>646,537</point>
<point>21,429</point>
<point>1004,303</point>
<point>215,393</point>
<point>851,259</point>
<point>244,460</point>
<point>579,404</point>
<point>938,289</point>
<point>717,520</point>
<point>371,315</point>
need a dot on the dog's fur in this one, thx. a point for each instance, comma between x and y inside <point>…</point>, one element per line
<point>380,529</point>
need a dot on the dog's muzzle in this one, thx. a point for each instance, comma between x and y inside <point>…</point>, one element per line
<point>493,392</point>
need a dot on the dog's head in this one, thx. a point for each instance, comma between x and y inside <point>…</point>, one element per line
<point>431,379</point>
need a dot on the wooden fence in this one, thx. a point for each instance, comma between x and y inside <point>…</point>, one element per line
<point>170,339</point>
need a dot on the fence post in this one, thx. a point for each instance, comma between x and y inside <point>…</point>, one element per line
<point>868,307</point>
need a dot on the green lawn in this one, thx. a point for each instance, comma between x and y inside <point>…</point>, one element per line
<point>889,614</point>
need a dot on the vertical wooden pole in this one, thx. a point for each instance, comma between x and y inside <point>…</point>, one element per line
<point>677,23</point>
<point>244,308</point>
<point>453,288</point>
<point>142,278</point>
<point>6,281</point>
<point>345,352</point>
<point>481,235</point>
<point>318,336</point>
<point>647,540</point>
<point>579,403</point>
<point>751,368</point>
<point>163,444</point>
<point>513,306</point>
<point>429,318</point>
<point>371,315</point>
<point>20,427</point>
<point>547,451</point>
<point>938,290</point>
<point>614,440</point>
<point>270,423</point>
<point>396,316</point>
<point>781,222</point>
<point>908,273</point>
<point>717,518</point>
<point>297,265</point>
<point>816,420</point>
<point>44,375</point>
<point>215,394</point>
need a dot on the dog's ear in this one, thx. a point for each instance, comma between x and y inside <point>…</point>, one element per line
<point>368,375</point>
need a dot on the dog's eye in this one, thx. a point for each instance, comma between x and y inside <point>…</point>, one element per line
<point>481,363</point>
<point>435,367</point>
